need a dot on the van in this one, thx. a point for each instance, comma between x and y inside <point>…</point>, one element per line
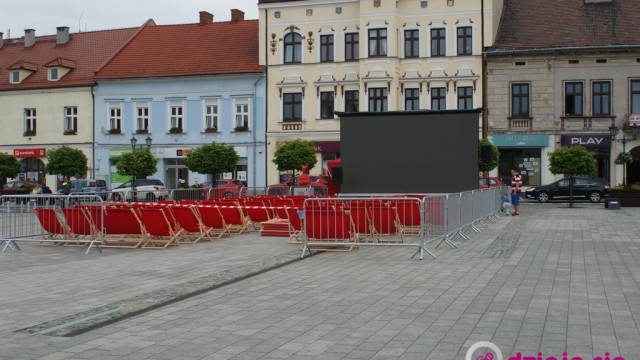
<point>90,186</point>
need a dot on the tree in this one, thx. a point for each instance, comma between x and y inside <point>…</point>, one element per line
<point>571,160</point>
<point>291,155</point>
<point>66,161</point>
<point>9,167</point>
<point>488,166</point>
<point>212,159</point>
<point>138,163</point>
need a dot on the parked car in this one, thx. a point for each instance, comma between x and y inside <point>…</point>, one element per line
<point>319,183</point>
<point>225,188</point>
<point>489,182</point>
<point>583,188</point>
<point>146,190</point>
<point>18,187</point>
<point>90,186</point>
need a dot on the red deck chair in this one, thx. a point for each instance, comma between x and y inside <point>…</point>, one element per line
<point>80,224</point>
<point>409,215</point>
<point>159,229</point>
<point>385,222</point>
<point>51,226</point>
<point>295,225</point>
<point>122,228</point>
<point>361,220</point>
<point>189,219</point>
<point>257,215</point>
<point>211,217</point>
<point>234,217</point>
<point>331,226</point>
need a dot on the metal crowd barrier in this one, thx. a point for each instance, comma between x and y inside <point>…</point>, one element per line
<point>51,220</point>
<point>296,190</point>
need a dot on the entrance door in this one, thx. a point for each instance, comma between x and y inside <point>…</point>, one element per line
<point>176,174</point>
<point>633,169</point>
<point>33,169</point>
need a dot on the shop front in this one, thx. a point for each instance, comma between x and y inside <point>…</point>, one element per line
<point>600,146</point>
<point>524,153</point>
<point>329,150</point>
<point>32,164</point>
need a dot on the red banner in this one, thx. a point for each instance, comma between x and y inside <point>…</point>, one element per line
<point>25,153</point>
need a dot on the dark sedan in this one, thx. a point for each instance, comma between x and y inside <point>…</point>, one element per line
<point>583,188</point>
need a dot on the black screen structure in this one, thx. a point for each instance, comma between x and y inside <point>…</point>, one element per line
<point>409,151</point>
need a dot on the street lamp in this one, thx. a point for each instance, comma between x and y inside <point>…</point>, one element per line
<point>613,129</point>
<point>133,142</point>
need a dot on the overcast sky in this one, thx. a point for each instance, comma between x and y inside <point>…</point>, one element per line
<point>90,15</point>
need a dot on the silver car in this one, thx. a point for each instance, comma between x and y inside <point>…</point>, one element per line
<point>145,190</point>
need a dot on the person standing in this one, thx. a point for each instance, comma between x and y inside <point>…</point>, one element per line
<point>516,189</point>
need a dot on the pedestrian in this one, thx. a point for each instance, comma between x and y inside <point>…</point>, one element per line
<point>516,189</point>
<point>37,189</point>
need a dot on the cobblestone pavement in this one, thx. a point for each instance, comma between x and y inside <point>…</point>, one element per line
<point>566,280</point>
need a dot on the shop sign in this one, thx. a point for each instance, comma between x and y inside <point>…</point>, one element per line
<point>327,146</point>
<point>26,153</point>
<point>117,152</point>
<point>589,141</point>
<point>523,140</point>
<point>183,152</point>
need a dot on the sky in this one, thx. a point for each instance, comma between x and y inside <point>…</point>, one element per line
<point>90,15</point>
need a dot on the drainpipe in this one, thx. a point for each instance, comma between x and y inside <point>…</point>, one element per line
<point>266,93</point>
<point>255,129</point>
<point>93,132</point>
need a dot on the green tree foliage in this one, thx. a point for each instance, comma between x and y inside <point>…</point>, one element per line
<point>139,163</point>
<point>212,159</point>
<point>488,166</point>
<point>9,167</point>
<point>66,161</point>
<point>571,160</point>
<point>291,155</point>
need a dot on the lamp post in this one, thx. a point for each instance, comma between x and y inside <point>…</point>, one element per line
<point>613,129</point>
<point>133,142</point>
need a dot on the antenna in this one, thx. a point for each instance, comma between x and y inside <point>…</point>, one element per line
<point>79,19</point>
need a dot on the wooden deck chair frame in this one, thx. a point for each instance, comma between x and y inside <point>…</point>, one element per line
<point>212,217</point>
<point>386,223</point>
<point>234,218</point>
<point>80,225</point>
<point>295,226</point>
<point>335,224</point>
<point>123,229</point>
<point>189,220</point>
<point>256,216</point>
<point>52,227</point>
<point>160,232</point>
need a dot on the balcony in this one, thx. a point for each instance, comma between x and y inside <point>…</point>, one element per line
<point>582,123</point>
<point>292,126</point>
<point>520,123</point>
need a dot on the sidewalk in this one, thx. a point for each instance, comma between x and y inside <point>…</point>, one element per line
<point>564,280</point>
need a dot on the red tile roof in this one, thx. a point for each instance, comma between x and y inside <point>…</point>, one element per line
<point>188,49</point>
<point>537,24</point>
<point>88,50</point>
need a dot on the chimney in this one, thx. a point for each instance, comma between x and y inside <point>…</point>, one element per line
<point>1,40</point>
<point>62,35</point>
<point>29,37</point>
<point>205,18</point>
<point>236,15</point>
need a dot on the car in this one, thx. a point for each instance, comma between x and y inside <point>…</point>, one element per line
<point>146,190</point>
<point>90,186</point>
<point>489,182</point>
<point>225,188</point>
<point>583,188</point>
<point>319,183</point>
<point>18,187</point>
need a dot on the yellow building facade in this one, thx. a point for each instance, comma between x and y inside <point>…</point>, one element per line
<point>367,55</point>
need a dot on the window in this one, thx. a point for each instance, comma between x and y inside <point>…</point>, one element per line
<point>292,48</point>
<point>411,44</point>
<point>115,119</point>
<point>378,42</point>
<point>635,97</point>
<point>520,100</point>
<point>211,117</point>
<point>326,48</point>
<point>241,115</point>
<point>15,77</point>
<point>351,46</point>
<point>465,45</point>
<point>378,99</point>
<point>53,74</point>
<point>30,121</point>
<point>438,98</point>
<point>142,119</point>
<point>70,119</point>
<point>352,101</point>
<point>438,42</point>
<point>573,99</point>
<point>291,107</point>
<point>176,116</point>
<point>465,97</point>
<point>601,98</point>
<point>326,104</point>
<point>411,99</point>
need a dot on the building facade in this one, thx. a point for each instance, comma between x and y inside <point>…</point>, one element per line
<point>568,87</point>
<point>183,86</point>
<point>367,55</point>
<point>46,94</point>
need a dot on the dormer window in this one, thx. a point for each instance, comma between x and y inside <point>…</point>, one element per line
<point>15,77</point>
<point>53,74</point>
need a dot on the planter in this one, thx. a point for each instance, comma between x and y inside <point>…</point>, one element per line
<point>175,130</point>
<point>626,198</point>
<point>241,129</point>
<point>210,130</point>
<point>115,131</point>
<point>142,131</point>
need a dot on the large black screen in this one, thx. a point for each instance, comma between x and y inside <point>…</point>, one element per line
<point>409,152</point>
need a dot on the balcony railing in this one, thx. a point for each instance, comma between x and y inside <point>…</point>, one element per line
<point>294,126</point>
<point>520,124</point>
<point>581,123</point>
